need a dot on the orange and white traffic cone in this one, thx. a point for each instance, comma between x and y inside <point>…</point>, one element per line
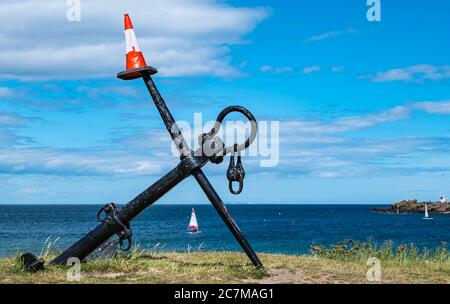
<point>135,59</point>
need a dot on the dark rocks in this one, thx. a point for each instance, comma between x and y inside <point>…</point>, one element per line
<point>412,206</point>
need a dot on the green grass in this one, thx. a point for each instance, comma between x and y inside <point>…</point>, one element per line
<point>351,250</point>
<point>342,263</point>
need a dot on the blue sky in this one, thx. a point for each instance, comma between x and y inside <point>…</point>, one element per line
<point>363,106</point>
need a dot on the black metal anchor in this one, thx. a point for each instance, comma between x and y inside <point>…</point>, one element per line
<point>112,218</point>
<point>116,220</point>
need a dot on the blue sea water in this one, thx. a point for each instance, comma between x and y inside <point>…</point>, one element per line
<point>289,229</point>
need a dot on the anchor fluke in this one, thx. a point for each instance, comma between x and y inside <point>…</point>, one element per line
<point>31,262</point>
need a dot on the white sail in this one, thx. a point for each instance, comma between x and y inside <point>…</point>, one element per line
<point>426,211</point>
<point>193,224</point>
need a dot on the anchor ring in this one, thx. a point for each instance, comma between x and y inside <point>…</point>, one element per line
<point>218,124</point>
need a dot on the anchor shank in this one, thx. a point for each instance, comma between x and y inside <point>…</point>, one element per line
<point>166,116</point>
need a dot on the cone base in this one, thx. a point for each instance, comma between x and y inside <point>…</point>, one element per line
<point>136,73</point>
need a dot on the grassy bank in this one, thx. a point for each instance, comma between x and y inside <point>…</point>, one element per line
<point>341,264</point>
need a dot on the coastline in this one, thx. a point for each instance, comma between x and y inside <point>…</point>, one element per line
<point>413,206</point>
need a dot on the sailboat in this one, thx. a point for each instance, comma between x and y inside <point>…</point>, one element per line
<point>427,216</point>
<point>193,225</point>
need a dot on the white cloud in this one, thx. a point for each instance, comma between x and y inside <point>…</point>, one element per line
<point>7,137</point>
<point>337,69</point>
<point>179,37</point>
<point>307,147</point>
<point>330,34</point>
<point>266,68</point>
<point>5,92</point>
<point>354,123</point>
<point>358,122</point>
<point>276,70</point>
<point>9,119</point>
<point>311,69</point>
<point>66,162</point>
<point>433,107</point>
<point>322,149</point>
<point>414,74</point>
<point>334,155</point>
<point>349,123</point>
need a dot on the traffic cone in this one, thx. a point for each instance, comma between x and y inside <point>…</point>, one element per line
<point>135,64</point>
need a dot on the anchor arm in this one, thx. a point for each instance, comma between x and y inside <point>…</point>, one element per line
<point>220,207</point>
<point>104,231</point>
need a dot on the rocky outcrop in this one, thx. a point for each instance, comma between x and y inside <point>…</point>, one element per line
<point>412,206</point>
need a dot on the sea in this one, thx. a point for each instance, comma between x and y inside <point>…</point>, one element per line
<point>285,229</point>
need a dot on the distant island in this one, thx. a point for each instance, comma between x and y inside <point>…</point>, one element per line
<point>413,206</point>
